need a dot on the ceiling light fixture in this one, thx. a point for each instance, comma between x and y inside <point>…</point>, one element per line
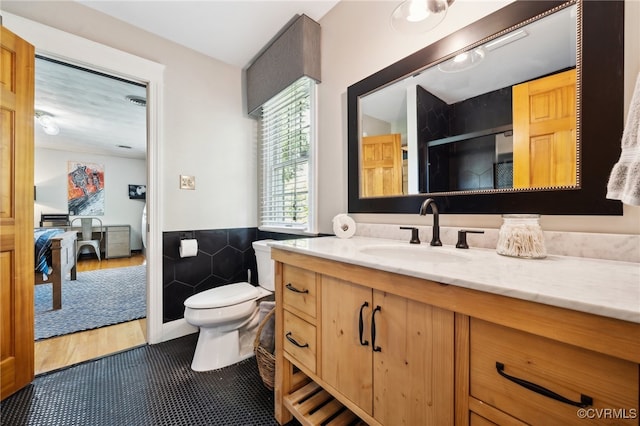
<point>464,61</point>
<point>419,16</point>
<point>137,100</point>
<point>48,123</point>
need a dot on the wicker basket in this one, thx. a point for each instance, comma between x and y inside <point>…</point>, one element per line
<point>266,361</point>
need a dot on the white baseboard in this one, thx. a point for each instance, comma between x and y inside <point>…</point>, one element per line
<point>178,328</point>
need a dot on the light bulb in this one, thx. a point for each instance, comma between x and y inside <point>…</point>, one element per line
<point>48,123</point>
<point>51,129</point>
<point>417,11</point>
<point>418,16</point>
<point>461,57</point>
<point>463,61</point>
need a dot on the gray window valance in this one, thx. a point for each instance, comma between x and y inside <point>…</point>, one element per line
<point>293,54</point>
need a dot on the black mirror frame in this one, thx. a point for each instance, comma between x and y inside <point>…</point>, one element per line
<point>601,117</point>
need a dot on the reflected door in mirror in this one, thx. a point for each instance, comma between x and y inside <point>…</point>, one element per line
<point>544,130</point>
<point>381,165</point>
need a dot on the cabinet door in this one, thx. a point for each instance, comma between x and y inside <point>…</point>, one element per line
<point>346,364</point>
<point>413,370</point>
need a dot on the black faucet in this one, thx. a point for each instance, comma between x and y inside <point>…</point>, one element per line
<point>435,239</point>
<point>415,239</point>
<point>462,237</point>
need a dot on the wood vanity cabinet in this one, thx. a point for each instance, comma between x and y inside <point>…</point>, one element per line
<point>385,357</point>
<point>397,350</point>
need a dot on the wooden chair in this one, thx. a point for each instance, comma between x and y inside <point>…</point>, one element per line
<point>86,237</point>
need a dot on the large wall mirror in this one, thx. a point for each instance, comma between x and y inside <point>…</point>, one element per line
<point>519,112</point>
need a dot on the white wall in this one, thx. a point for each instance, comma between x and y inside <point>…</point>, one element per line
<point>51,170</point>
<point>208,135</point>
<point>357,41</point>
<point>206,132</point>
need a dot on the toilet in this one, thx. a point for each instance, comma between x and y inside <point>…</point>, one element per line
<point>228,316</point>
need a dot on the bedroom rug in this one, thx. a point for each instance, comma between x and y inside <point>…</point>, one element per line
<point>95,299</point>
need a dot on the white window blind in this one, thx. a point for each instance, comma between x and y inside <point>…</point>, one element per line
<point>287,145</point>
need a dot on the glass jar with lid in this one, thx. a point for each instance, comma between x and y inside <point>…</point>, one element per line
<point>521,236</point>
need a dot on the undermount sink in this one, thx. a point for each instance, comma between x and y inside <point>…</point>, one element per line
<point>414,253</point>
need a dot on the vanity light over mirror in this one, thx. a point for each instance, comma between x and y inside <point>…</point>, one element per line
<point>495,117</point>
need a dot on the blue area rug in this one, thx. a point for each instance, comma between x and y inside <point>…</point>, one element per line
<point>95,299</point>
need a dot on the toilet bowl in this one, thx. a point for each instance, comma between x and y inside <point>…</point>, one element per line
<point>228,316</point>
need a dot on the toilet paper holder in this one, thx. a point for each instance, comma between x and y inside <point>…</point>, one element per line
<point>188,246</point>
<point>187,235</point>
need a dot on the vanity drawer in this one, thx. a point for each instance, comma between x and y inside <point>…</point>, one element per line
<point>299,290</point>
<point>300,340</point>
<point>564,369</point>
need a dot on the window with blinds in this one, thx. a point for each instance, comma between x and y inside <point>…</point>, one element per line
<point>287,144</point>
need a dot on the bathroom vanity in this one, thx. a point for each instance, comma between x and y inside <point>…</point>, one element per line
<point>396,334</point>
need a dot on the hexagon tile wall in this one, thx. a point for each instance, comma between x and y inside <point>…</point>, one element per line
<point>224,256</point>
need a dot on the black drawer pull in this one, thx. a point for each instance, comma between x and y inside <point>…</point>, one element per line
<point>373,329</point>
<point>292,340</point>
<point>585,400</point>
<point>295,290</point>
<point>361,325</point>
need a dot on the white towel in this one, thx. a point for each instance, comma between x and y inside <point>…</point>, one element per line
<point>624,181</point>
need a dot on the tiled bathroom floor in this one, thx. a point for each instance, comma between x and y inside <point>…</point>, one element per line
<point>147,386</point>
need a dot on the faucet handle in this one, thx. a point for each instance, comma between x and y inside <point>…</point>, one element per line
<point>414,234</point>
<point>462,237</point>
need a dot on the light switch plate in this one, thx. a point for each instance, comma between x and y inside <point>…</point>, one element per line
<point>187,182</point>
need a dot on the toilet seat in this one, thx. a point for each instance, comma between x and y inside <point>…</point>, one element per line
<point>226,295</point>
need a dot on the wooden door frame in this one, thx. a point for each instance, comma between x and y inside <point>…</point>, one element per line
<point>66,47</point>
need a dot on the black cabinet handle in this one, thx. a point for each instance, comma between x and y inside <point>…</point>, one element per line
<point>373,329</point>
<point>292,340</point>
<point>295,290</point>
<point>585,400</point>
<point>361,325</point>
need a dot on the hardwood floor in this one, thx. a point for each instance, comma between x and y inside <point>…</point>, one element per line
<point>61,351</point>
<point>91,263</point>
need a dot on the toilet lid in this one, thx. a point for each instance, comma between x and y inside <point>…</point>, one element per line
<point>226,295</point>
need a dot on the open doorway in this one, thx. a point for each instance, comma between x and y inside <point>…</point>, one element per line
<point>73,49</point>
<point>90,161</point>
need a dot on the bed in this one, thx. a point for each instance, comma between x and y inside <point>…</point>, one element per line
<point>55,255</point>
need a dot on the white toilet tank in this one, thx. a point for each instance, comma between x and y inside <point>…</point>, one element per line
<point>265,264</point>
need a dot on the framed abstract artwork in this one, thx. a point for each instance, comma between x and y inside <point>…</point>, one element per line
<point>85,189</point>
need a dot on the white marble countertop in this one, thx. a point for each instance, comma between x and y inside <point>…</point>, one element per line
<point>602,287</point>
